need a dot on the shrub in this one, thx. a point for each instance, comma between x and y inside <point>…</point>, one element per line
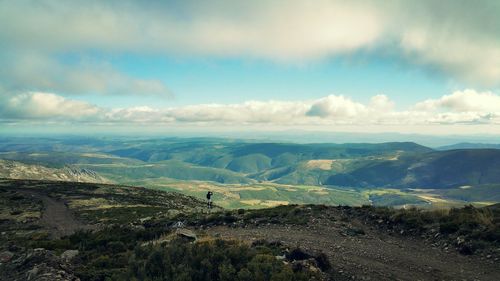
<point>211,260</point>
<point>448,227</point>
<point>298,254</point>
<point>323,262</point>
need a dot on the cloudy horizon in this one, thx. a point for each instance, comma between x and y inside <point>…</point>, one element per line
<point>334,65</point>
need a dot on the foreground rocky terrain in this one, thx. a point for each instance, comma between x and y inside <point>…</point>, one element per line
<point>76,231</point>
<point>364,252</point>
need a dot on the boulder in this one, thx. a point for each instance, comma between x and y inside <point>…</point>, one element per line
<point>40,265</point>
<point>69,255</point>
<point>186,234</point>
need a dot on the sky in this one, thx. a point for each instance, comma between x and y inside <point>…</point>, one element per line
<point>430,67</point>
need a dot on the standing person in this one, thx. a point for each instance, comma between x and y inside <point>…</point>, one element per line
<point>209,200</point>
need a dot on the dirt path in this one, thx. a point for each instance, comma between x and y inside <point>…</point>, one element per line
<point>56,216</point>
<point>373,256</point>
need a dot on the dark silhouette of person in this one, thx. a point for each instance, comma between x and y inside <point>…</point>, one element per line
<point>209,199</point>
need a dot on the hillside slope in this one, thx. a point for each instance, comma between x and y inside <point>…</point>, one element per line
<point>441,169</point>
<point>18,170</point>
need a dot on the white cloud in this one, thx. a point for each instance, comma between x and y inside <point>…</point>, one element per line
<point>463,101</point>
<point>37,72</point>
<point>460,117</point>
<point>36,105</point>
<point>278,112</point>
<point>381,103</point>
<point>481,108</point>
<point>280,29</point>
<point>336,107</point>
<point>138,114</point>
<point>460,38</point>
<point>461,107</point>
<point>468,58</point>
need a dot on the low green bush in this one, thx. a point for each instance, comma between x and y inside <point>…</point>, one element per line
<point>212,260</point>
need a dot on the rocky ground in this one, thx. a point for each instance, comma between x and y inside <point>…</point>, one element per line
<point>36,218</point>
<point>37,212</point>
<point>360,252</point>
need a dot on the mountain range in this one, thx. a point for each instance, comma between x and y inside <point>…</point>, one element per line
<point>236,166</point>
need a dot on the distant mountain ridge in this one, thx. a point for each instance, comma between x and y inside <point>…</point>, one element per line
<point>469,145</point>
<point>256,157</point>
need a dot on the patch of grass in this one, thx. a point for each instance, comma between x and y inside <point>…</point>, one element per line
<point>121,215</point>
<point>290,214</point>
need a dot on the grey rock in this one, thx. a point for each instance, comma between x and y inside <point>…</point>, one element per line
<point>69,255</point>
<point>186,234</point>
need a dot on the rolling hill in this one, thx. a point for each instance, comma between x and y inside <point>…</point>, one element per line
<point>174,169</point>
<point>256,157</point>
